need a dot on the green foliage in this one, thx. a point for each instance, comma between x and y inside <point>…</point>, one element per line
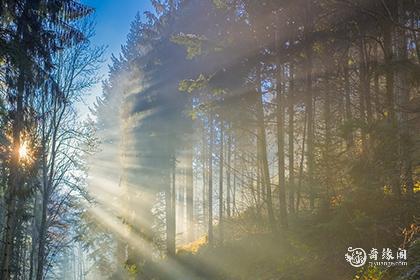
<point>220,4</point>
<point>132,270</point>
<point>192,42</point>
<point>192,85</point>
<point>370,273</point>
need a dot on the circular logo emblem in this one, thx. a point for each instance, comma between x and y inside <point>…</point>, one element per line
<point>356,257</point>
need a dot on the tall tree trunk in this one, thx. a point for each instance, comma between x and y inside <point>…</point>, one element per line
<point>308,28</point>
<point>325,206</point>
<point>259,188</point>
<point>221,162</point>
<point>170,202</point>
<point>190,193</point>
<point>366,81</point>
<point>190,178</point>
<point>260,177</point>
<point>347,101</point>
<point>235,177</point>
<point>42,236</point>
<point>204,173</point>
<point>14,182</point>
<point>363,91</point>
<point>228,171</point>
<point>34,238</point>
<point>3,189</point>
<point>281,100</point>
<point>301,165</point>
<point>280,149</point>
<point>376,83</point>
<point>263,152</point>
<point>389,73</point>
<point>210,181</point>
<point>390,99</point>
<point>180,204</point>
<point>291,111</point>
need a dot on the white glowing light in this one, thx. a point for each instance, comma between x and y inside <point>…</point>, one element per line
<point>23,151</point>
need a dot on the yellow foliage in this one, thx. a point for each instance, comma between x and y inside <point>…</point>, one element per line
<point>416,187</point>
<point>369,273</point>
<point>194,246</point>
<point>387,190</point>
<point>131,269</point>
<point>336,200</point>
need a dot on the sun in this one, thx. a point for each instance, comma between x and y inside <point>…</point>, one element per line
<point>23,151</point>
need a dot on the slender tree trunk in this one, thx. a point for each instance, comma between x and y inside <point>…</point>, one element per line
<point>190,194</point>
<point>180,204</point>
<point>263,152</point>
<point>259,204</point>
<point>280,149</point>
<point>389,73</point>
<point>281,118</point>
<point>44,210</point>
<point>366,81</point>
<point>42,237</point>
<point>204,172</point>
<point>234,187</point>
<point>210,181</point>
<point>22,257</point>
<point>310,139</point>
<point>3,189</point>
<point>291,111</point>
<point>390,100</point>
<point>309,101</point>
<point>376,84</point>
<point>363,91</point>
<point>35,239</point>
<point>325,206</point>
<point>221,162</point>
<point>260,180</point>
<point>170,201</point>
<point>347,101</point>
<point>228,171</point>
<point>301,165</point>
<point>190,178</point>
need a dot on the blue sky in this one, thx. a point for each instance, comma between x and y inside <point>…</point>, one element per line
<point>113,18</point>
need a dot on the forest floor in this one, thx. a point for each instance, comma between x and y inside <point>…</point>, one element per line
<point>247,253</point>
<point>298,253</point>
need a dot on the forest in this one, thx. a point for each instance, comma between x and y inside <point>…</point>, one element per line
<point>232,139</point>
